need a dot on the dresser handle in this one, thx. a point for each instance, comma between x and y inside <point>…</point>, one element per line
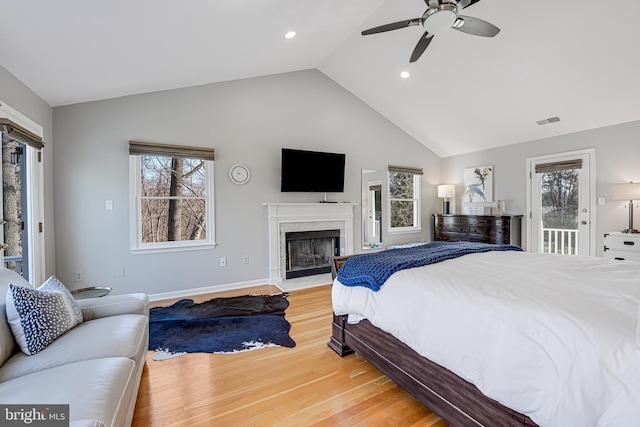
<point>629,243</point>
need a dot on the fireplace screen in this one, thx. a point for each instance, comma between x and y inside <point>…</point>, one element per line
<point>310,252</point>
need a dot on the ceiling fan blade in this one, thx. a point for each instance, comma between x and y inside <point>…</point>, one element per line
<point>422,45</point>
<point>392,26</point>
<point>475,26</point>
<point>466,3</point>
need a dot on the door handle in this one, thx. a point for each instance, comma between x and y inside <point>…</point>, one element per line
<point>584,222</point>
<point>4,246</point>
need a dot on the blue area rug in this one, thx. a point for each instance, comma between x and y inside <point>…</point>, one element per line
<point>220,325</point>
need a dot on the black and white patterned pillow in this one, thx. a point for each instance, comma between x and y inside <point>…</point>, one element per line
<point>39,316</point>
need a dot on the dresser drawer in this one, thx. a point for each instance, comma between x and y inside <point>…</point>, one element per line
<point>493,235</point>
<point>623,242</point>
<point>452,237</point>
<point>452,228</point>
<point>483,222</point>
<point>451,220</point>
<point>622,255</point>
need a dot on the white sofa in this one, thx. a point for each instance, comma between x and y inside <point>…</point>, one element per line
<point>95,367</point>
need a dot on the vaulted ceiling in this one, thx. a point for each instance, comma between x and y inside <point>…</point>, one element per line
<point>572,59</point>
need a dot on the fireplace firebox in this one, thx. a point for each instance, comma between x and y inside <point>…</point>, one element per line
<point>310,252</point>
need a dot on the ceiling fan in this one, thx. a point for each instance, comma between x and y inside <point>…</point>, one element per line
<point>439,17</point>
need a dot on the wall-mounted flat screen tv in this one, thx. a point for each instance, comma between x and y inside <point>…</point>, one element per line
<point>312,171</point>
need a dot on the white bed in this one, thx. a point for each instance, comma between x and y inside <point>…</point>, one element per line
<point>553,337</point>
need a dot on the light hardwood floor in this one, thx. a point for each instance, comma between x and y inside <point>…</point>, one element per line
<point>308,385</point>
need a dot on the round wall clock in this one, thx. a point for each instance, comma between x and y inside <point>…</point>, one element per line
<point>239,174</point>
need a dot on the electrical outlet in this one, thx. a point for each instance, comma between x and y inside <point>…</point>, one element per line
<point>601,201</point>
<point>245,259</point>
<point>223,262</point>
<point>78,276</point>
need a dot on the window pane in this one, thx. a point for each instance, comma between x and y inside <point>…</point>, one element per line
<point>166,176</point>
<point>13,161</point>
<point>560,199</point>
<point>401,185</point>
<point>186,216</point>
<point>402,213</point>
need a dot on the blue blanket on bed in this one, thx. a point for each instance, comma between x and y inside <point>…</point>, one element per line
<point>372,270</point>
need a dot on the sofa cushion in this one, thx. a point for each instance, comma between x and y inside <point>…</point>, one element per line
<point>100,390</point>
<point>7,340</point>
<point>126,335</point>
<point>112,305</point>
<point>39,316</point>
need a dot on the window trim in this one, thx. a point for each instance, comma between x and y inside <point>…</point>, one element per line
<point>417,174</point>
<point>137,247</point>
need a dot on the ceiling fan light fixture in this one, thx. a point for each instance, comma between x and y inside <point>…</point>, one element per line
<point>440,19</point>
<point>290,35</point>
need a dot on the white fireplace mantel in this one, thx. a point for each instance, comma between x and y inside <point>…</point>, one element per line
<point>289,217</point>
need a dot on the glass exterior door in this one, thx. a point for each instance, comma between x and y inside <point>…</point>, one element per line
<point>561,205</point>
<point>13,239</point>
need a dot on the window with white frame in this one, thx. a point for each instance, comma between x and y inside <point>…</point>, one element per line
<point>404,199</point>
<point>171,197</point>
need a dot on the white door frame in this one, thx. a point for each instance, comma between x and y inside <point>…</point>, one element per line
<point>591,203</point>
<point>34,194</point>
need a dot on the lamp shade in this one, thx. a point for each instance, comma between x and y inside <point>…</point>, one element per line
<point>629,191</point>
<point>447,190</point>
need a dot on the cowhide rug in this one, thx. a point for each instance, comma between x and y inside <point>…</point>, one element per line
<point>220,325</point>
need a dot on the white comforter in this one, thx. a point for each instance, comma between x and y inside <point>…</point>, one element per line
<point>553,337</point>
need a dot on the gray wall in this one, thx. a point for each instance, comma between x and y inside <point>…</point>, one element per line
<point>617,151</point>
<point>22,99</point>
<point>246,121</point>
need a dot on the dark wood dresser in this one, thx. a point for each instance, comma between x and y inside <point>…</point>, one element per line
<point>478,228</point>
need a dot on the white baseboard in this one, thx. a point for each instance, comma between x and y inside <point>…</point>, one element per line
<point>285,286</point>
<point>208,289</point>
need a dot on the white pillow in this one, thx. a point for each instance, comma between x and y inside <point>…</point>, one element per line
<point>39,316</point>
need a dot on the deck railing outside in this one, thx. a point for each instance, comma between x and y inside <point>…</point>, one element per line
<point>14,263</point>
<point>559,241</point>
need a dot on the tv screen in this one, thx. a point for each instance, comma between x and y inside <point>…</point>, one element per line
<point>312,171</point>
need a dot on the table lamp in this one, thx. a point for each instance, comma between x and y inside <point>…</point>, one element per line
<point>628,192</point>
<point>444,192</point>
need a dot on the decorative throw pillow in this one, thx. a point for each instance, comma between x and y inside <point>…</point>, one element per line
<point>39,316</point>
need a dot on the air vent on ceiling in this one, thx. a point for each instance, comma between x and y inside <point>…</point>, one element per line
<point>547,121</point>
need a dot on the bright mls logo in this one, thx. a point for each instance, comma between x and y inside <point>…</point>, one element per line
<point>34,415</point>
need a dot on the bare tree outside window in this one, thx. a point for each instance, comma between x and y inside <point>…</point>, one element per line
<point>402,199</point>
<point>173,203</point>
<point>12,152</point>
<point>560,199</point>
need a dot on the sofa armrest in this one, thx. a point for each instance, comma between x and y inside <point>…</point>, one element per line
<point>113,305</point>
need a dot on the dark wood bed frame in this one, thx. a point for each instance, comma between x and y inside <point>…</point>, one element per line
<point>454,399</point>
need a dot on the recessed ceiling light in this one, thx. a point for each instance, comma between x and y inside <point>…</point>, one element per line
<point>405,74</point>
<point>290,35</point>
